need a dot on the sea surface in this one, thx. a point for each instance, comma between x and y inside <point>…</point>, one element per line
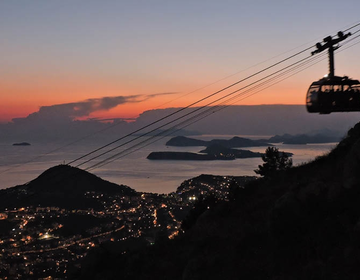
<point>21,164</point>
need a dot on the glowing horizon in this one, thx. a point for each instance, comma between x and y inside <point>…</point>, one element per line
<point>59,53</point>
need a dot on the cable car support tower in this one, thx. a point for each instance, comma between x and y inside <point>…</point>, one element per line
<point>330,44</point>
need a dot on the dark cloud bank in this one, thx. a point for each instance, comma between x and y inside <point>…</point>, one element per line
<point>71,111</point>
<point>58,122</point>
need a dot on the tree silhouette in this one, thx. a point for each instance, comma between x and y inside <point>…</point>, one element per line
<point>273,161</point>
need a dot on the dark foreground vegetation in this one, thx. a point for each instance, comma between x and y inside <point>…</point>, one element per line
<point>303,223</point>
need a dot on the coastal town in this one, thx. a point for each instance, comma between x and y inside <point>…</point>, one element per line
<point>48,242</point>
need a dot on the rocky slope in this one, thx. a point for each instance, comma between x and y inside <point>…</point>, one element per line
<point>302,224</point>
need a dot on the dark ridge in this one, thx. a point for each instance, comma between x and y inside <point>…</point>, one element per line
<point>62,186</point>
<point>301,224</point>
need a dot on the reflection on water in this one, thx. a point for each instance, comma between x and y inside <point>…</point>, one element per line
<point>135,170</point>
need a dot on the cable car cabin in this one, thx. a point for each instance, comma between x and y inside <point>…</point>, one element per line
<point>337,94</point>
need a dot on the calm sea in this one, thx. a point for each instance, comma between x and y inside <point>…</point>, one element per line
<point>20,164</point>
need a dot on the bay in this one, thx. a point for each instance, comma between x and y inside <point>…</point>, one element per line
<point>20,164</point>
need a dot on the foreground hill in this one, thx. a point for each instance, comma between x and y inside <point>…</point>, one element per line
<point>61,186</point>
<point>301,224</point>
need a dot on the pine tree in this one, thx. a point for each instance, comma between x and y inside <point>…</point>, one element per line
<point>273,161</point>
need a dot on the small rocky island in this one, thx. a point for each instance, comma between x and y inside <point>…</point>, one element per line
<point>188,156</point>
<point>216,149</point>
<point>235,142</point>
<point>21,144</point>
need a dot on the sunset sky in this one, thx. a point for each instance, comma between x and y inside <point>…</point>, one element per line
<point>152,53</point>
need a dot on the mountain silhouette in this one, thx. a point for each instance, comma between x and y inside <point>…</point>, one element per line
<point>61,186</point>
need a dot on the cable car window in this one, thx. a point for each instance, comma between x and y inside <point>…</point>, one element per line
<point>314,89</point>
<point>312,97</point>
<point>356,88</point>
<point>337,88</point>
<point>326,88</point>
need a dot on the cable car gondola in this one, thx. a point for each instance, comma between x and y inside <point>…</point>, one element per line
<point>333,93</point>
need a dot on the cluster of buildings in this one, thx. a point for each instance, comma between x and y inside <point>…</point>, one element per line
<point>51,243</point>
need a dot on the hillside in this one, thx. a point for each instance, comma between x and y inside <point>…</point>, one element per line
<point>61,186</point>
<point>301,224</point>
